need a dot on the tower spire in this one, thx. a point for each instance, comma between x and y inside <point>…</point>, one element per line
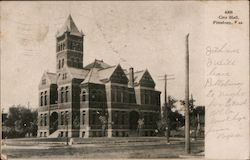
<point>69,26</point>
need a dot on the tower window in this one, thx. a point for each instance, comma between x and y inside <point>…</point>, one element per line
<point>45,98</point>
<point>93,96</point>
<point>83,95</point>
<point>41,99</point>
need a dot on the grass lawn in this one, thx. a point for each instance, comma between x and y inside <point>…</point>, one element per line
<point>142,148</point>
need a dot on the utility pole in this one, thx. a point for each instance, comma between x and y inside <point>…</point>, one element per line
<point>187,128</point>
<point>167,109</point>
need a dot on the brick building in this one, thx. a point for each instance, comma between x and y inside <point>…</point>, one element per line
<point>96,99</point>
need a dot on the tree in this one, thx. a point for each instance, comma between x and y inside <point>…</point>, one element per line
<point>193,112</point>
<point>21,120</point>
<point>171,120</point>
<point>103,117</point>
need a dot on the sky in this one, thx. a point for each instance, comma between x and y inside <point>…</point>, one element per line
<point>144,35</point>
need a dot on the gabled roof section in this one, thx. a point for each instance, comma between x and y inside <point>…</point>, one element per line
<point>138,76</point>
<point>141,76</point>
<point>97,64</point>
<point>92,76</point>
<point>105,74</point>
<point>47,79</point>
<point>69,26</point>
<point>99,76</point>
<point>146,79</point>
<point>52,77</point>
<point>77,73</point>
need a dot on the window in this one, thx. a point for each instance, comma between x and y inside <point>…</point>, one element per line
<point>66,117</point>
<point>41,99</point>
<point>66,95</point>
<point>146,98</point>
<point>83,134</point>
<point>122,96</point>
<point>59,64</point>
<point>41,119</point>
<point>45,119</point>
<point>66,134</point>
<point>45,98</point>
<point>123,118</point>
<point>115,117</point>
<point>62,63</point>
<point>62,95</point>
<point>113,95</point>
<point>143,98</point>
<point>83,117</point>
<point>93,96</point>
<point>118,95</point>
<point>131,97</point>
<point>93,118</point>
<point>62,118</point>
<point>83,96</point>
<point>43,81</point>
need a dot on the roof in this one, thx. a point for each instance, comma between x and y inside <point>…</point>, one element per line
<point>99,76</point>
<point>92,76</point>
<point>97,64</point>
<point>138,76</point>
<point>107,72</point>
<point>69,26</point>
<point>52,77</point>
<point>78,73</point>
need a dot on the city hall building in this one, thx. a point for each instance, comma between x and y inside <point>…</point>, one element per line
<point>94,100</point>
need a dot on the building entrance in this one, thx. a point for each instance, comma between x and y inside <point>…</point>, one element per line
<point>53,122</point>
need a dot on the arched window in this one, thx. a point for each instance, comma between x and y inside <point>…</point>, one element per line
<point>41,99</point>
<point>59,66</point>
<point>62,118</point>
<point>83,95</point>
<point>83,117</point>
<point>41,119</point>
<point>62,63</point>
<point>66,94</point>
<point>45,119</point>
<point>62,95</point>
<point>45,98</point>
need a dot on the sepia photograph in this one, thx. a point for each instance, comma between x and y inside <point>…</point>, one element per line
<point>125,80</point>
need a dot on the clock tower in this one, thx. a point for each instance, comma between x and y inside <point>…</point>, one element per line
<point>69,46</point>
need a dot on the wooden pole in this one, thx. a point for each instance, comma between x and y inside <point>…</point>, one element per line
<point>187,128</point>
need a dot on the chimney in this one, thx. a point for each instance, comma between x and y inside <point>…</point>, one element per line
<point>131,77</point>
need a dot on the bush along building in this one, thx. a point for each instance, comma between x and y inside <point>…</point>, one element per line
<point>94,100</point>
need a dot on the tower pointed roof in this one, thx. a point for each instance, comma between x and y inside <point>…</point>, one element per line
<point>69,26</point>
